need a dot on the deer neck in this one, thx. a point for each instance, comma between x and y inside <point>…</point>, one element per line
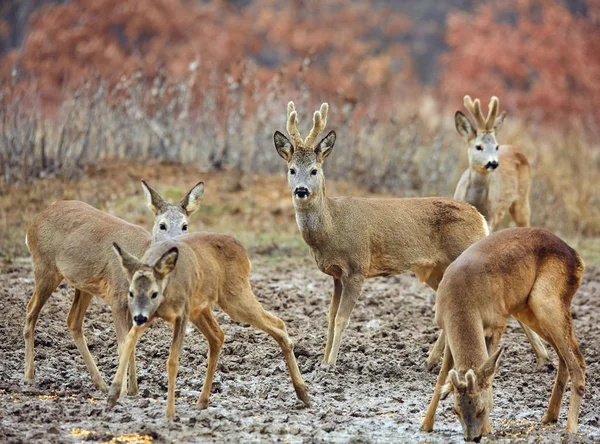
<point>478,191</point>
<point>467,342</point>
<point>314,219</point>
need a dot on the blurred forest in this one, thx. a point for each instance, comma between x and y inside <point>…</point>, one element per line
<point>206,83</point>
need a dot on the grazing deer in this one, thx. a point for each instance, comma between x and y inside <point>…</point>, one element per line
<point>499,176</point>
<point>353,239</point>
<point>497,180</point>
<point>72,240</point>
<point>183,278</point>
<point>527,273</point>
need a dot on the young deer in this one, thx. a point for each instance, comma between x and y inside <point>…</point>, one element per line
<point>353,239</point>
<point>71,240</point>
<point>527,273</point>
<point>499,176</point>
<point>183,278</point>
<point>497,180</point>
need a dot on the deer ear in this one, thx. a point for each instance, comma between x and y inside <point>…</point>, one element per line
<point>488,369</point>
<point>154,200</point>
<point>191,202</point>
<point>283,146</point>
<point>499,121</point>
<point>129,262</point>
<point>463,125</point>
<point>446,390</point>
<point>325,146</point>
<point>166,263</point>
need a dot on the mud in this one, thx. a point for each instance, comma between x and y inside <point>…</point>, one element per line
<point>378,392</point>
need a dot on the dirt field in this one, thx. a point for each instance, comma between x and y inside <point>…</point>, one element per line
<point>377,393</point>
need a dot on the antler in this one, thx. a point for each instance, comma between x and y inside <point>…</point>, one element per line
<point>492,113</point>
<point>319,122</point>
<point>475,109</point>
<point>292,125</point>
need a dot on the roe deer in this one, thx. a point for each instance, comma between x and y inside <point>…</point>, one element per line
<point>499,176</point>
<point>353,238</point>
<point>527,273</point>
<point>72,240</point>
<point>182,278</point>
<point>497,180</point>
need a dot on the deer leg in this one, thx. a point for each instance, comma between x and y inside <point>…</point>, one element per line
<point>80,304</point>
<point>45,283</point>
<point>127,349</point>
<point>541,354</point>
<point>520,212</point>
<point>560,384</point>
<point>207,324</point>
<point>122,321</point>
<point>244,307</point>
<point>333,309</point>
<point>436,352</point>
<point>351,288</point>
<point>447,364</point>
<point>173,362</point>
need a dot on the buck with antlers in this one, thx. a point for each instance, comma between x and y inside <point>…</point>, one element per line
<point>353,238</point>
<point>527,273</point>
<point>72,241</point>
<point>177,280</point>
<point>499,176</point>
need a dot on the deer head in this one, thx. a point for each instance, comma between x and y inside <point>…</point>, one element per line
<point>473,397</point>
<point>305,157</point>
<point>171,220</point>
<point>147,282</point>
<point>481,137</point>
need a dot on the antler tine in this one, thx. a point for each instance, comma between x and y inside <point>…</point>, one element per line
<point>319,121</point>
<point>292,125</point>
<point>492,113</point>
<point>475,109</point>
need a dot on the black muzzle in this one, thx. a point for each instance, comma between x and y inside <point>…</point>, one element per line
<point>492,165</point>
<point>301,192</point>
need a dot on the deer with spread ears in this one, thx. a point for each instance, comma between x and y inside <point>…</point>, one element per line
<point>527,273</point>
<point>182,279</point>
<point>353,239</point>
<point>72,241</point>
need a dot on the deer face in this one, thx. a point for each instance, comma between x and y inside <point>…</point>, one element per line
<point>305,166</point>
<point>473,398</point>
<point>172,219</point>
<point>481,137</point>
<point>146,282</point>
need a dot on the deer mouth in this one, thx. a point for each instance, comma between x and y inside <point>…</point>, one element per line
<point>301,193</point>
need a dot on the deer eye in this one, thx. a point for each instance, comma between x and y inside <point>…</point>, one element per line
<point>184,228</point>
<point>130,294</point>
<point>154,295</point>
<point>480,413</point>
<point>479,148</point>
<point>162,227</point>
<point>313,172</point>
<point>292,171</point>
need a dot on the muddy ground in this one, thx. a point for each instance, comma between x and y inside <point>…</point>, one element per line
<point>377,393</point>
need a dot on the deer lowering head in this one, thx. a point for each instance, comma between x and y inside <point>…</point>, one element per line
<point>480,136</point>
<point>172,220</point>
<point>473,398</point>
<point>305,157</point>
<point>147,282</point>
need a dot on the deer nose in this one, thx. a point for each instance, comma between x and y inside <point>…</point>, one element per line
<point>492,165</point>
<point>301,192</point>
<point>140,319</point>
<point>476,439</point>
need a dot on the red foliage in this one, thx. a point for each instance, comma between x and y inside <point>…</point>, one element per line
<point>533,54</point>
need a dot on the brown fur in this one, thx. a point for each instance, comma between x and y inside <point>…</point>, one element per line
<point>72,240</point>
<point>210,268</point>
<point>353,239</point>
<point>527,273</point>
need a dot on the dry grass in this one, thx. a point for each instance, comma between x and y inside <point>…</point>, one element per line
<point>411,150</point>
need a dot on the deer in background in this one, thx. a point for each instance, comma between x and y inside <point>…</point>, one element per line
<point>499,176</point>
<point>527,273</point>
<point>497,180</point>
<point>353,239</point>
<point>182,279</point>
<point>72,241</point>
